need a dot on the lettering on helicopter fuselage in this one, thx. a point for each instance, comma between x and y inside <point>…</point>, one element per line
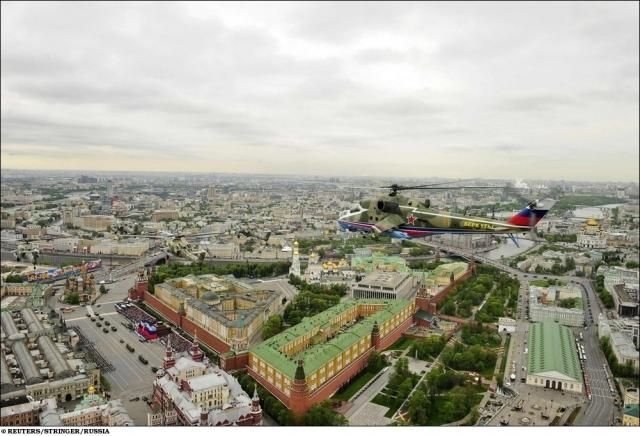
<point>480,226</point>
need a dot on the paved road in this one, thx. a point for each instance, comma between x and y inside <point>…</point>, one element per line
<point>368,394</point>
<point>131,377</point>
<point>281,285</point>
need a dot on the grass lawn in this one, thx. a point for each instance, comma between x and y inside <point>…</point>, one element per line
<point>402,344</point>
<point>386,401</point>
<point>542,283</point>
<point>354,385</point>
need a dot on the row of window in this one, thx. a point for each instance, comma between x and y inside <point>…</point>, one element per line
<point>564,384</point>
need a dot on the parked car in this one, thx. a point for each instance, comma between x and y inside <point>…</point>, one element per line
<point>142,359</point>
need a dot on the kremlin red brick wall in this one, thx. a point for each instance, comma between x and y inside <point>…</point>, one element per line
<point>162,309</point>
<point>268,386</point>
<point>395,334</point>
<point>431,305</point>
<point>330,387</point>
<point>236,361</point>
<point>204,336</point>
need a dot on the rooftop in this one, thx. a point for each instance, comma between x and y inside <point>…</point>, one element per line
<point>316,356</point>
<point>384,279</point>
<point>552,349</point>
<point>632,410</point>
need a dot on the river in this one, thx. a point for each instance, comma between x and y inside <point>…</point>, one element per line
<point>509,249</point>
<point>594,211</point>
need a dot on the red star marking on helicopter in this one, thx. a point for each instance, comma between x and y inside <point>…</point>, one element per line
<point>411,219</point>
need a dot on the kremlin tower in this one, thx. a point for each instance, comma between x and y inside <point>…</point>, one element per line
<point>295,261</point>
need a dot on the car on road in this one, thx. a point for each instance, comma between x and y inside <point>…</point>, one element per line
<point>130,348</point>
<point>145,398</point>
<point>99,324</point>
<point>142,359</point>
<point>88,315</point>
<point>107,322</point>
<point>122,341</point>
<point>134,399</point>
<point>114,328</point>
<point>100,317</point>
<point>154,369</point>
<point>106,330</point>
<point>98,305</point>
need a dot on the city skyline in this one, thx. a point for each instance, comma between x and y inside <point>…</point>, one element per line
<point>514,91</point>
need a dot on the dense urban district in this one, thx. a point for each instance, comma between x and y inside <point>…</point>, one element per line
<point>221,300</point>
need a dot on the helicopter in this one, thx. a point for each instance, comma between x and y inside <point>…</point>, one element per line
<point>405,218</point>
<point>26,250</point>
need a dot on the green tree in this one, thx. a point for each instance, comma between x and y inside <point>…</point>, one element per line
<point>323,415</point>
<point>14,278</point>
<point>428,347</point>
<point>403,391</point>
<point>72,298</point>
<point>376,362</point>
<point>418,407</point>
<point>272,326</point>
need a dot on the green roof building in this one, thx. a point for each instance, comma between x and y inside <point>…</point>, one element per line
<point>323,348</point>
<point>553,359</point>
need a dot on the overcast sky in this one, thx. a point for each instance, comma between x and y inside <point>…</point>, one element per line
<point>520,90</point>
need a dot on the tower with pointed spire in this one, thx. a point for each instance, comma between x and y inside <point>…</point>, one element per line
<point>299,391</point>
<point>375,336</point>
<point>195,352</point>
<point>256,410</point>
<point>169,358</point>
<point>140,286</point>
<point>295,261</point>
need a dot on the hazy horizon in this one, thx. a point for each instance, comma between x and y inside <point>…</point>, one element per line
<point>539,91</point>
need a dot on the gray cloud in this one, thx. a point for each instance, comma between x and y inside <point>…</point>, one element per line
<point>453,86</point>
<point>537,102</point>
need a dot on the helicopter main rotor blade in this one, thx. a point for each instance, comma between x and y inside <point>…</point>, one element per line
<point>443,183</point>
<point>456,187</point>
